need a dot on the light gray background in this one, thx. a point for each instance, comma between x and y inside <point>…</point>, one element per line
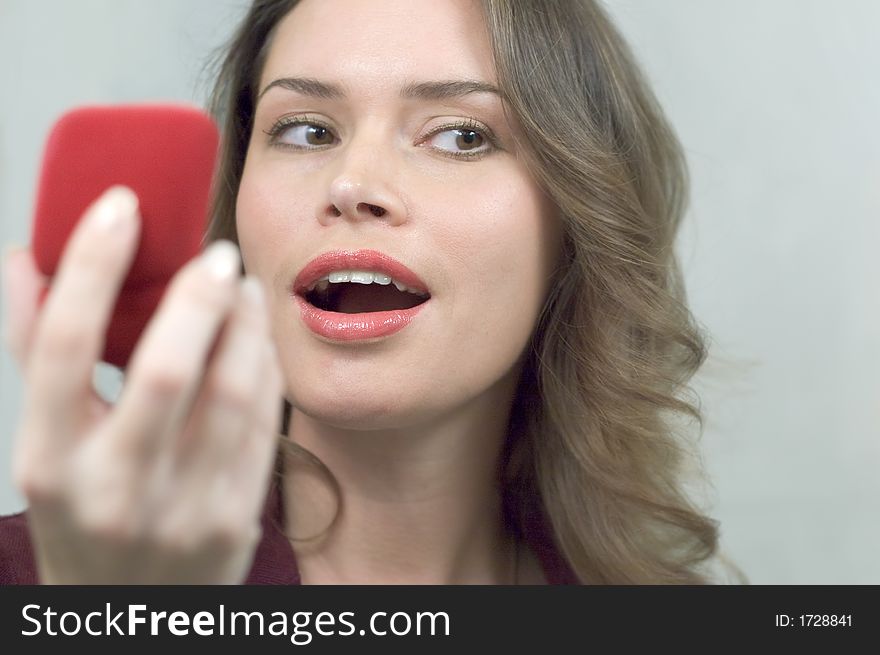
<point>777,103</point>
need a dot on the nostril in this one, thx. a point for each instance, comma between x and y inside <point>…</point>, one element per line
<point>375,210</point>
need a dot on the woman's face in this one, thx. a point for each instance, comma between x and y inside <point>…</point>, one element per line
<point>385,139</point>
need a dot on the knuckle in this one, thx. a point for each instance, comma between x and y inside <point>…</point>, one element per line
<point>232,394</point>
<point>110,531</point>
<point>35,471</point>
<point>177,544</point>
<point>229,533</point>
<point>178,537</point>
<point>164,380</point>
<point>64,340</point>
<point>223,539</point>
<point>108,523</point>
<point>169,537</point>
<point>37,486</point>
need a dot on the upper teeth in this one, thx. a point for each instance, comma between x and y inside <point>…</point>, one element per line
<point>360,277</point>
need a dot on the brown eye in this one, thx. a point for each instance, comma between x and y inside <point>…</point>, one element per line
<point>462,141</point>
<point>317,135</point>
<point>468,139</point>
<point>301,135</point>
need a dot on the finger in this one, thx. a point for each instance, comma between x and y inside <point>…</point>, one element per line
<point>227,401</point>
<point>252,469</point>
<point>232,513</point>
<point>22,285</point>
<point>217,430</point>
<point>168,363</point>
<point>225,499</point>
<point>69,333</point>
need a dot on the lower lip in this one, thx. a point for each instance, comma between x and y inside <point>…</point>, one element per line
<point>337,326</point>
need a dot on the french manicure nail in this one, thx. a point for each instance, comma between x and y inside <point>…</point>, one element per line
<point>116,208</point>
<point>12,249</point>
<point>222,260</point>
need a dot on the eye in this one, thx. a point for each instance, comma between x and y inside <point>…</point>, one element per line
<point>300,134</point>
<point>463,140</point>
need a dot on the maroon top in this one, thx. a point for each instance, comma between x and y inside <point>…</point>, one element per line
<point>274,560</point>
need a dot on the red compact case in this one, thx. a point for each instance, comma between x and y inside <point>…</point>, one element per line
<point>166,154</point>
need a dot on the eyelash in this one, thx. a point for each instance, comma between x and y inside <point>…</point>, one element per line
<point>469,125</point>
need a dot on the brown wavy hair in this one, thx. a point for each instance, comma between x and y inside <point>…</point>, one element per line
<point>596,442</point>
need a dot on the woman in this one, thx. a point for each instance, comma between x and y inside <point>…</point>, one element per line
<point>457,222</point>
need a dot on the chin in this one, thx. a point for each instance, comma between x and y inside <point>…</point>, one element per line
<point>375,411</point>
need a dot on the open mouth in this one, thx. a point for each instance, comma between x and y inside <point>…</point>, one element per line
<point>357,296</point>
<point>356,292</point>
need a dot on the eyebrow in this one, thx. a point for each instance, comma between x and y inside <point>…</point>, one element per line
<point>439,90</point>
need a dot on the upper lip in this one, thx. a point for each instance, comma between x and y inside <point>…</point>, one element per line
<point>360,260</point>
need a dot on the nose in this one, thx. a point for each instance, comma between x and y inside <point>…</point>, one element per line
<point>362,188</point>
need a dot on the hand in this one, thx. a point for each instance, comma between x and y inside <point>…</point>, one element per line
<point>167,485</point>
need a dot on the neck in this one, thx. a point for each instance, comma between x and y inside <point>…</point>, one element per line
<point>419,505</point>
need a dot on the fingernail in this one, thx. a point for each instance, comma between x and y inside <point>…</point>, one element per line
<point>221,259</point>
<point>9,251</point>
<point>12,249</point>
<point>115,209</point>
<point>253,290</point>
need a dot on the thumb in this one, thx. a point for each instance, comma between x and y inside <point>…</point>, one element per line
<point>23,286</point>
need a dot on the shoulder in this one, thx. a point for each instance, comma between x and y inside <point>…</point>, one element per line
<point>17,565</point>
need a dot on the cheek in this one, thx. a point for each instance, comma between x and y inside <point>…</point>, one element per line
<point>263,212</point>
<point>507,247</point>
<point>251,212</point>
<point>503,246</point>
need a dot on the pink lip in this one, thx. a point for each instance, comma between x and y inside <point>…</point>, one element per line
<point>359,260</point>
<point>337,326</point>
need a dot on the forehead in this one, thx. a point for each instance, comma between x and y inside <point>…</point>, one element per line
<point>379,43</point>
